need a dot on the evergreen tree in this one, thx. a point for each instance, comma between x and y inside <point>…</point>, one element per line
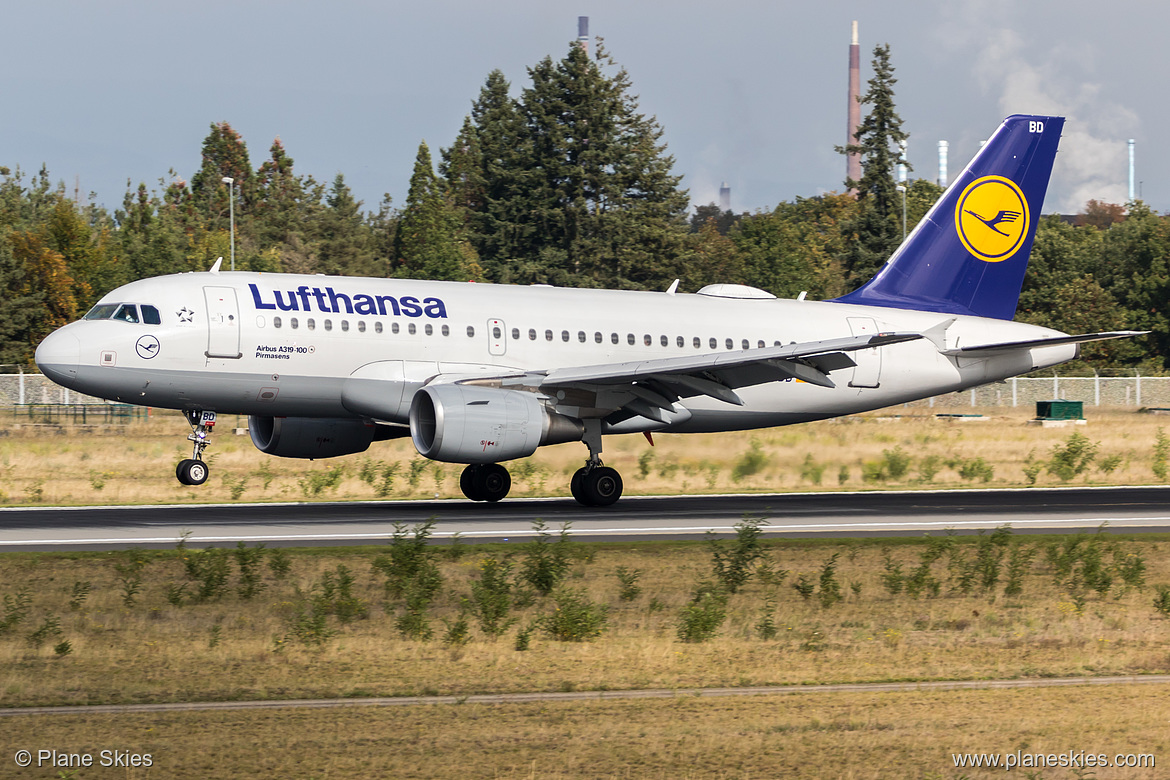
<point>427,244</point>
<point>224,154</point>
<point>878,226</point>
<point>345,241</point>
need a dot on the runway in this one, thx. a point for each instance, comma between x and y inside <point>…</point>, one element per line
<point>902,513</point>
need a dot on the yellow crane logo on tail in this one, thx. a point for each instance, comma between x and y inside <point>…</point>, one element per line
<point>992,218</point>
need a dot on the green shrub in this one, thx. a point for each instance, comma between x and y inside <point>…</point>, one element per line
<point>732,565</point>
<point>896,463</point>
<point>546,562</point>
<point>575,618</point>
<point>1072,458</point>
<point>701,619</point>
<point>750,463</point>
<point>491,596</point>
<point>628,578</point>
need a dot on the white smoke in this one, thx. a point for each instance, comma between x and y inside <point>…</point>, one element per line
<point>1034,77</point>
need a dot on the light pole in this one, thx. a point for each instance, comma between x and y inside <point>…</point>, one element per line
<point>231,183</point>
<point>902,189</point>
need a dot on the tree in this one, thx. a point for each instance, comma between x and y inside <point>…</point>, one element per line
<point>224,154</point>
<point>877,228</point>
<point>428,244</point>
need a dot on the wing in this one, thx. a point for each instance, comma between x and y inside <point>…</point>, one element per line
<point>986,350</point>
<point>650,388</point>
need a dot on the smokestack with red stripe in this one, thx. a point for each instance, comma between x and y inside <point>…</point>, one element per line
<point>583,32</point>
<point>853,161</point>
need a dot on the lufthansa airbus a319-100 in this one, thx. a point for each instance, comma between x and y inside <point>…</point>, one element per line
<point>481,374</point>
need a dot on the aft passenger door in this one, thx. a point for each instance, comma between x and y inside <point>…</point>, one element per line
<point>223,322</point>
<point>869,361</point>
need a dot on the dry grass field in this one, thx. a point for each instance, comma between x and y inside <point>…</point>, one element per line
<point>823,735</point>
<point>134,463</point>
<point>123,627</point>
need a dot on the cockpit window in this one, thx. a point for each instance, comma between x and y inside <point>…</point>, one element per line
<point>103,311</point>
<point>127,312</point>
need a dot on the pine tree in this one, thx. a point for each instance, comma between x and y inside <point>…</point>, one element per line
<point>224,154</point>
<point>879,139</point>
<point>427,244</point>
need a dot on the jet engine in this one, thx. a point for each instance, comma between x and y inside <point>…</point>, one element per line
<point>309,437</point>
<point>471,424</point>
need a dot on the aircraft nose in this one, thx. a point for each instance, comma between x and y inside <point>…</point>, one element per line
<point>58,356</point>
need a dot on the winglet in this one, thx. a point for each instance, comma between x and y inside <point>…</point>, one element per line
<point>673,288</point>
<point>215,268</point>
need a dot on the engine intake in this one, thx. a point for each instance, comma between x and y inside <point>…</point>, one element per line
<point>471,424</point>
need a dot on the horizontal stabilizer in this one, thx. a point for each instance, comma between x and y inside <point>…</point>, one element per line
<point>1012,346</point>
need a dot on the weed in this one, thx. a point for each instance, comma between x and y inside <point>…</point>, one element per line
<point>175,594</point>
<point>215,636</point>
<point>1161,455</point>
<point>36,491</point>
<point>50,627</point>
<point>1073,458</point>
<point>410,563</point>
<point>130,575</point>
<point>628,578</point>
<point>701,619</point>
<point>766,625</point>
<point>830,589</point>
<point>79,594</point>
<point>307,619</point>
<point>98,479</point>
<point>1019,559</point>
<point>929,467</point>
<point>265,474</point>
<point>63,648</point>
<point>842,475</point>
<point>896,463</point>
<point>645,463</point>
<point>236,487</point>
<point>1162,600</point>
<point>16,609</point>
<point>458,631</point>
<point>546,562</point>
<point>279,563</point>
<point>733,567</point>
<point>750,463</point>
<point>1110,464</point>
<point>804,586</point>
<point>337,593</point>
<point>976,469</point>
<point>892,578</point>
<point>386,483</point>
<point>576,618</point>
<point>455,550</point>
<point>524,636</point>
<point>491,596</point>
<point>209,567</point>
<point>811,471</point>
<point>248,561</point>
<point>417,467</point>
<point>767,573</point>
<point>317,482</point>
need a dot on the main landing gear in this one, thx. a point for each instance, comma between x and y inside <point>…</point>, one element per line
<point>592,485</point>
<point>193,470</point>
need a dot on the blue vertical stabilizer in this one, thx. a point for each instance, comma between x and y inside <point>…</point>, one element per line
<point>970,252</point>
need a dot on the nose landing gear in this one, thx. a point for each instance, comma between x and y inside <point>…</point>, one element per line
<point>193,470</point>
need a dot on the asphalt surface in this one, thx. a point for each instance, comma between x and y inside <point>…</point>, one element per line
<point>911,513</point>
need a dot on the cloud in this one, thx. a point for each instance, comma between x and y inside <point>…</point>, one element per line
<point>1054,79</point>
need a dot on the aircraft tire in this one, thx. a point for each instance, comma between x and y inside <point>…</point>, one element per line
<point>602,486</point>
<point>193,472</point>
<point>492,482</point>
<point>181,471</point>
<point>467,482</point>
<point>575,486</point>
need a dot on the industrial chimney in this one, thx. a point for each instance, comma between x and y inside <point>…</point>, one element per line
<point>942,163</point>
<point>583,32</point>
<point>1131,176</point>
<point>725,197</point>
<point>853,161</point>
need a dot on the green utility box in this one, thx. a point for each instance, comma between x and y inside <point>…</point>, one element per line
<point>1060,410</point>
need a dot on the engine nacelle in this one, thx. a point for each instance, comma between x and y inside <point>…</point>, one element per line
<point>471,424</point>
<point>310,437</point>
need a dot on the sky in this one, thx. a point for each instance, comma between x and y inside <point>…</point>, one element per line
<point>750,92</point>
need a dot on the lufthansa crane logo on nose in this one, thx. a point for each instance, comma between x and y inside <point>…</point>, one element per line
<point>147,347</point>
<point>992,218</point>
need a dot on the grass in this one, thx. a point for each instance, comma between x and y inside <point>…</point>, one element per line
<point>132,464</point>
<point>823,735</point>
<point>302,637</point>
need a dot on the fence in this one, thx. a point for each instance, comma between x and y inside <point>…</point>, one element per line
<point>35,391</point>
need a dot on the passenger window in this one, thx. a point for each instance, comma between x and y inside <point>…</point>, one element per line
<point>664,341</point>
<point>698,342</point>
<point>150,316</point>
<point>470,332</point>
<point>345,326</point>
<point>377,327</point>
<point>761,344</point>
<point>496,332</point>
<point>714,343</point>
<point>613,337</point>
<point>681,342</point>
<point>311,323</point>
<point>328,324</point>
<point>548,335</point>
<point>581,336</point>
<point>597,337</point>
<point>292,323</point>
<point>411,329</point>
<point>515,334</point>
<point>361,326</point>
<point>729,343</point>
<point>647,340</point>
<point>532,334</point>
<point>394,328</point>
<point>564,335</point>
<point>446,331</point>
<point>746,344</point>
<point>276,322</point>
<point>429,329</point>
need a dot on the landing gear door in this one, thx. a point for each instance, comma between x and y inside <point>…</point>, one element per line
<point>223,323</point>
<point>497,337</point>
<point>869,361</point>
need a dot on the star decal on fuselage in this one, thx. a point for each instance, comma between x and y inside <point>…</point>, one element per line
<point>185,315</point>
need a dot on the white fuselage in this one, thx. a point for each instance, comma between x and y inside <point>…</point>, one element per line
<point>284,345</point>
